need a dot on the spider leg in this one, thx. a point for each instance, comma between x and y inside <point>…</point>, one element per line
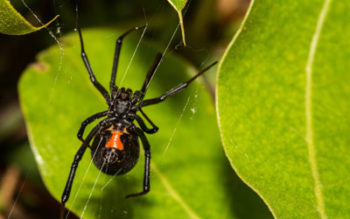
<point>144,127</point>
<point>146,176</point>
<point>87,122</point>
<point>97,129</point>
<point>77,158</point>
<point>174,90</point>
<point>150,74</point>
<point>73,169</point>
<point>154,127</point>
<point>99,87</point>
<point>118,47</point>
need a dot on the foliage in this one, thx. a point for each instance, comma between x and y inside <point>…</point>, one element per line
<point>179,5</point>
<point>12,23</point>
<point>283,106</point>
<point>190,176</point>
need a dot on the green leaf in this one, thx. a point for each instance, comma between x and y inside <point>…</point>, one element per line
<point>283,106</point>
<point>190,175</point>
<point>179,5</point>
<point>12,23</point>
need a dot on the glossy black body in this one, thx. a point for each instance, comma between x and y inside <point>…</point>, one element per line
<point>111,160</point>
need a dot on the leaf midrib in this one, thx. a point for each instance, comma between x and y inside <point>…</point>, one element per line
<point>308,111</point>
<point>173,193</point>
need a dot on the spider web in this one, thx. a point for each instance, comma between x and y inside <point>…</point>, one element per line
<point>170,138</point>
<point>55,35</point>
<point>57,41</point>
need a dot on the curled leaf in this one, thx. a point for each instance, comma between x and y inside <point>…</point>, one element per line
<point>13,23</point>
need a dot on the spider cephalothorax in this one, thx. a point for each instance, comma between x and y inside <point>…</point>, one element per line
<point>115,139</point>
<point>123,100</point>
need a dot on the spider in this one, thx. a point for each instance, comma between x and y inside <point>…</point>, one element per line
<point>115,139</point>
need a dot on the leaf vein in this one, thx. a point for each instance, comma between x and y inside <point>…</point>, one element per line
<point>174,194</point>
<point>308,111</point>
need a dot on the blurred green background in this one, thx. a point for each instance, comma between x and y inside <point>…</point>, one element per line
<point>209,25</point>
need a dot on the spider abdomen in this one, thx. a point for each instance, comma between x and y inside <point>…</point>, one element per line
<point>115,152</point>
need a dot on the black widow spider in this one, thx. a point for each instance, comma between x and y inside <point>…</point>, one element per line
<point>115,148</point>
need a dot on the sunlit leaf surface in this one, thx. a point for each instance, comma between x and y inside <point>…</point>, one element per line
<point>284,105</point>
<point>190,175</point>
<point>12,23</point>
